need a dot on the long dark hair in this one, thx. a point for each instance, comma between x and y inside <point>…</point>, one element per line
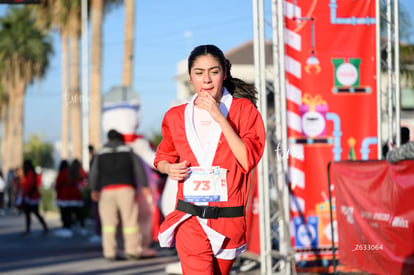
<point>75,171</point>
<point>64,164</point>
<point>28,166</point>
<point>237,87</point>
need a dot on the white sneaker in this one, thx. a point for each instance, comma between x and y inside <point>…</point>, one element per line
<point>63,233</point>
<point>95,239</point>
<point>248,265</point>
<point>83,231</point>
<point>174,268</point>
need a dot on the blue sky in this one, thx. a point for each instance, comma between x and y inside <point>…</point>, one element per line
<point>162,40</point>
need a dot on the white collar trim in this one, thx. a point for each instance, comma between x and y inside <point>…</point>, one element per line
<point>205,156</point>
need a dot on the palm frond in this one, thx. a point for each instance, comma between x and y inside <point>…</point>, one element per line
<point>24,49</point>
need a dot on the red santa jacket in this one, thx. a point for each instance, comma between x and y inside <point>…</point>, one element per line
<point>177,146</point>
<point>30,189</point>
<point>69,193</point>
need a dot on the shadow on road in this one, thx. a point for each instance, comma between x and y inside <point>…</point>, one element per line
<point>51,254</point>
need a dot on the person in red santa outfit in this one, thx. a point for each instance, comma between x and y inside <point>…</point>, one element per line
<point>210,146</point>
<point>30,197</point>
<point>70,181</point>
<point>61,182</point>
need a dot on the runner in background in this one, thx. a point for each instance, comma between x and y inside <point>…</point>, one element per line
<point>29,196</point>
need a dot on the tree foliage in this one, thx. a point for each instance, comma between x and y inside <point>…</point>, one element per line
<point>24,49</point>
<point>156,139</point>
<point>40,152</point>
<point>407,64</point>
<point>25,52</point>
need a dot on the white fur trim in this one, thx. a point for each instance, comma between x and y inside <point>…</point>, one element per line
<point>216,241</point>
<point>166,238</point>
<point>205,157</point>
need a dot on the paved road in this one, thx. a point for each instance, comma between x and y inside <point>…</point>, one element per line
<point>50,254</point>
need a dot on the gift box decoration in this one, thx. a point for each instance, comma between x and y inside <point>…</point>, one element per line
<point>313,116</point>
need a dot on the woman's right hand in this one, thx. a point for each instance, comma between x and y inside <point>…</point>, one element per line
<point>177,171</point>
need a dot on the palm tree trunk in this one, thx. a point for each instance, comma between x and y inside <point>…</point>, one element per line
<point>17,124</point>
<point>4,117</point>
<point>129,43</point>
<point>75,100</point>
<point>18,133</point>
<point>95,132</point>
<point>64,153</point>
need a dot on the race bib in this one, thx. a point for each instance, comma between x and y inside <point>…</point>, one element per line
<point>205,184</point>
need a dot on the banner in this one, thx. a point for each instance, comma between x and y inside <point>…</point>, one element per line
<point>375,215</point>
<point>331,107</point>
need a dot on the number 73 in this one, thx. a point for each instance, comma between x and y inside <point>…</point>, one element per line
<point>203,185</point>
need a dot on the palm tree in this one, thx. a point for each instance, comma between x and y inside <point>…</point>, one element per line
<point>51,15</point>
<point>55,14</point>
<point>98,9</point>
<point>128,43</point>
<point>64,16</point>
<point>97,13</point>
<point>4,110</point>
<point>74,31</point>
<point>24,54</point>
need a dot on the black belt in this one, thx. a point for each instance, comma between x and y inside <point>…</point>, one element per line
<point>210,212</point>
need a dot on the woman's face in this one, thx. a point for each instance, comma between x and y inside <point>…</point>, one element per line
<point>207,75</point>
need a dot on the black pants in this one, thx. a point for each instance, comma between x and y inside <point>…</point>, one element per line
<point>1,200</point>
<point>28,209</point>
<point>68,213</point>
<point>11,195</point>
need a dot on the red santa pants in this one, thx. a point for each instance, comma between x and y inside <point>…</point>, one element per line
<point>194,250</point>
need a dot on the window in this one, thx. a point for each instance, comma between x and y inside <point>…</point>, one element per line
<point>407,99</point>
